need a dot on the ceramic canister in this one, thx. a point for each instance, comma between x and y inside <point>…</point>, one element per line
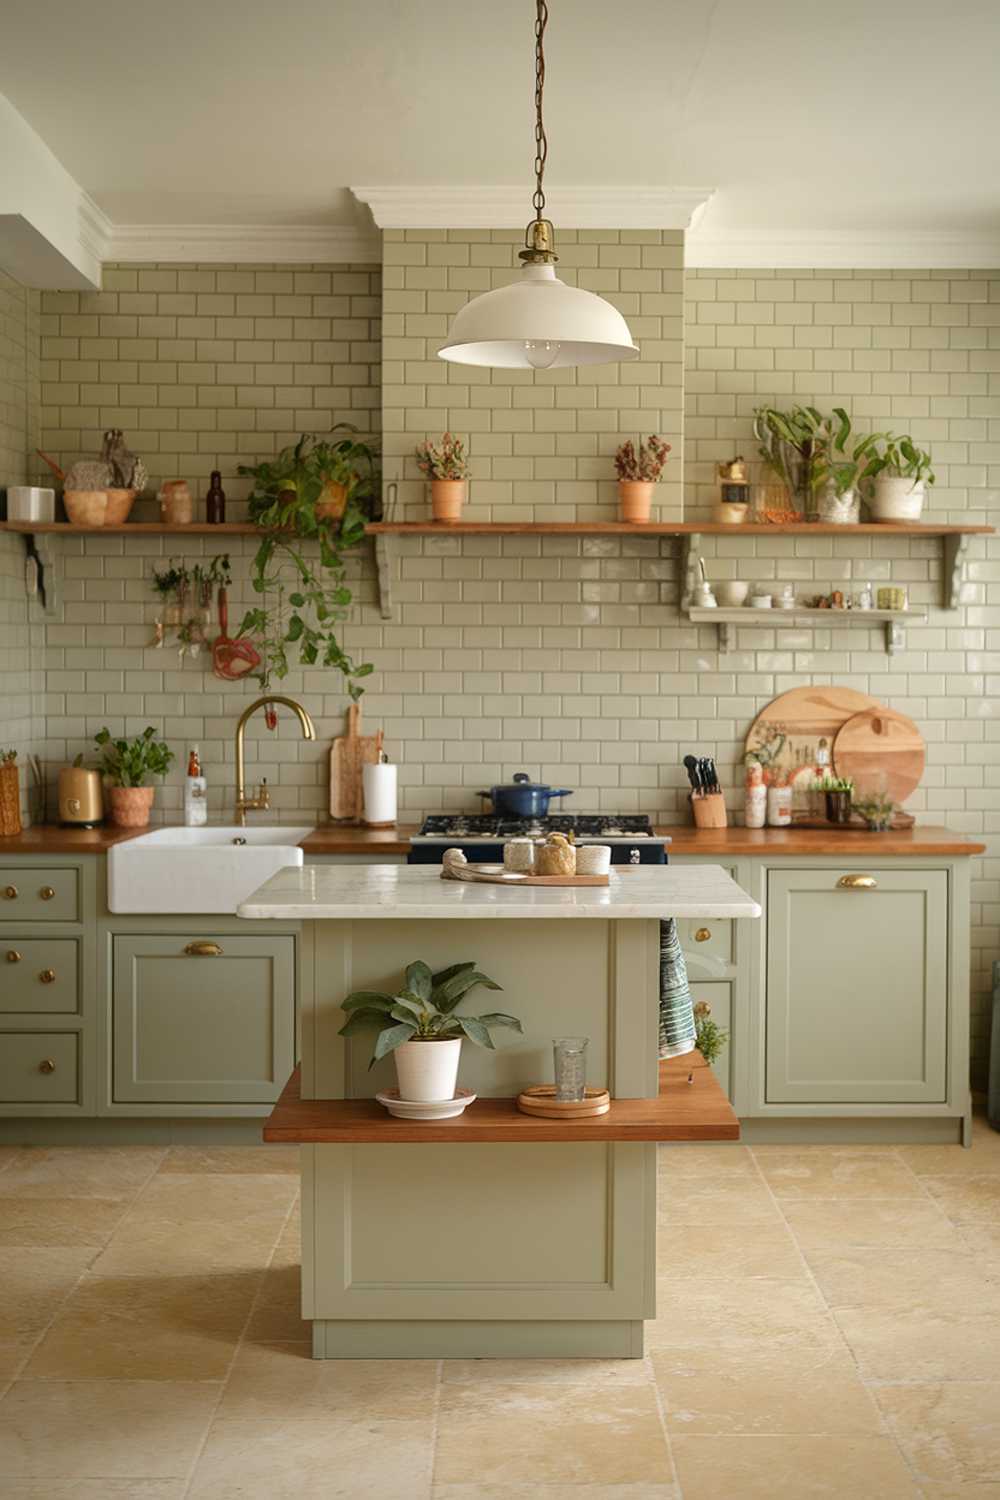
<point>593,859</point>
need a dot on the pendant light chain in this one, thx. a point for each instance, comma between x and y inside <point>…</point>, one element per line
<point>541,142</point>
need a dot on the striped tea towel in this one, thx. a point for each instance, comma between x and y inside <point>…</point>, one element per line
<point>677,1033</point>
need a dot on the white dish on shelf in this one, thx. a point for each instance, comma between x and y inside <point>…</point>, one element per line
<point>416,1109</point>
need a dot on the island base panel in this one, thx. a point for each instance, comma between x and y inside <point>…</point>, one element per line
<point>526,1339</point>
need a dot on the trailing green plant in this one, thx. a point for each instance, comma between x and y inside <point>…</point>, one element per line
<point>710,1037</point>
<point>132,762</point>
<point>646,464</point>
<point>170,580</point>
<point>304,614</point>
<point>900,458</point>
<point>422,1009</point>
<point>449,461</point>
<point>835,464</point>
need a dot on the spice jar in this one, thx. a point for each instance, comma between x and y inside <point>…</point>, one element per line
<point>557,856</point>
<point>519,855</point>
<point>779,806</point>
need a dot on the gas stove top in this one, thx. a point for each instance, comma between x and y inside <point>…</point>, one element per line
<point>586,828</point>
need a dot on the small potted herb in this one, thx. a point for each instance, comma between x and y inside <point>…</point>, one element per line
<point>839,469</point>
<point>127,765</point>
<point>838,792</point>
<point>877,809</point>
<point>901,472</point>
<point>638,472</point>
<point>709,1036</point>
<point>447,468</point>
<point>418,1025</point>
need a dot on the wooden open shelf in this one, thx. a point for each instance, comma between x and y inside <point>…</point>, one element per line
<point>727,620</point>
<point>514,528</point>
<point>695,1111</point>
<point>132,528</point>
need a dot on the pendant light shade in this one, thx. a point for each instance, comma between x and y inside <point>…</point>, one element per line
<point>538,322</point>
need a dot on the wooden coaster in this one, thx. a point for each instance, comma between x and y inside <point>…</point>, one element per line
<point>541,1099</point>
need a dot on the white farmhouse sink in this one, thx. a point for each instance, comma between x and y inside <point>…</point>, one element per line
<point>208,870</point>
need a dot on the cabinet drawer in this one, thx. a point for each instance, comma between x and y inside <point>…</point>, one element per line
<point>39,1067</point>
<point>34,895</point>
<point>707,944</point>
<point>39,975</point>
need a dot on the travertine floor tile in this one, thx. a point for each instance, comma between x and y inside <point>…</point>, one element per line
<point>892,1276</point>
<point>747,1391</point>
<point>64,1221</point>
<point>13,1356</point>
<point>78,1429</point>
<point>326,1461</point>
<point>792,1468</point>
<point>687,1253</point>
<point>144,1246</point>
<point>836,1172</point>
<point>723,1159</point>
<point>269,1381</point>
<point>222,1197</point>
<point>77,1172</point>
<point>699,1200</point>
<point>547,1433</point>
<point>728,1314</point>
<point>967,1200</point>
<point>921,1344</point>
<point>556,1492</point>
<point>93,1489</point>
<point>598,1373</point>
<point>982,1159</point>
<point>32,1285</point>
<point>263,1160</point>
<point>834,1224</point>
<point>277,1314</point>
<point>931,1489</point>
<point>947,1432</point>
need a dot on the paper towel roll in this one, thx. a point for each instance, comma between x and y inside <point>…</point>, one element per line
<point>379,787</point>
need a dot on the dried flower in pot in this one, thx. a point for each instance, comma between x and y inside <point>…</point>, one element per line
<point>447,468</point>
<point>638,472</point>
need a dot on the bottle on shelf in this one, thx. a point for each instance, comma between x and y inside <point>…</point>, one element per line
<point>215,500</point>
<point>195,792</point>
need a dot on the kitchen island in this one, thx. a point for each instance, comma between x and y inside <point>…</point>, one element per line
<point>495,1234</point>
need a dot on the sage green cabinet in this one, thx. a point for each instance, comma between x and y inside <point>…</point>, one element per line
<point>39,976</point>
<point>202,1019</point>
<point>857,982</point>
<point>39,1067</point>
<point>30,893</point>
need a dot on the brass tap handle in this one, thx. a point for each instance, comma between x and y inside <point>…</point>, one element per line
<point>10,892</point>
<point>203,950</point>
<point>857,883</point>
<point>46,893</point>
<point>13,957</point>
<point>47,1065</point>
<point>48,976</point>
<point>262,801</point>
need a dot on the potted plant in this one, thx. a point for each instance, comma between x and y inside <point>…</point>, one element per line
<point>838,469</point>
<point>293,501</point>
<point>901,472</point>
<point>709,1036</point>
<point>837,792</point>
<point>447,468</point>
<point>787,441</point>
<point>877,809</point>
<point>127,764</point>
<point>418,1025</point>
<point>637,474</point>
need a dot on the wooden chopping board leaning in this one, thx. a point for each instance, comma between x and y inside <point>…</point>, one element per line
<point>881,750</point>
<point>349,754</point>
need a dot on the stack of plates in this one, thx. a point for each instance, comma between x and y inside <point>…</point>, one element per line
<point>415,1109</point>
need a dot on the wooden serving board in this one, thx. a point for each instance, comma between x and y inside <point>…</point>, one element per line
<point>541,1100</point>
<point>881,751</point>
<point>496,875</point>
<point>348,754</point>
<point>786,735</point>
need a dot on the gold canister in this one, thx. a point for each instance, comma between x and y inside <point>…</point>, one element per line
<point>80,801</point>
<point>557,856</point>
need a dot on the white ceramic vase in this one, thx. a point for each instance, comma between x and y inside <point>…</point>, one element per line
<point>897,498</point>
<point>427,1072</point>
<point>838,510</point>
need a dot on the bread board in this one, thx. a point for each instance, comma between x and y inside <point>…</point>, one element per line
<point>348,754</point>
<point>881,750</point>
<point>541,1100</point>
<point>497,875</point>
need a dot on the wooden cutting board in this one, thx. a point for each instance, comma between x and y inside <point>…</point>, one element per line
<point>881,751</point>
<point>787,734</point>
<point>348,754</point>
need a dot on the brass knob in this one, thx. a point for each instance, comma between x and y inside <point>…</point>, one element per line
<point>47,1065</point>
<point>46,893</point>
<point>857,883</point>
<point>203,950</point>
<point>13,957</point>
<point>48,976</point>
<point>10,892</point>
<point>703,934</point>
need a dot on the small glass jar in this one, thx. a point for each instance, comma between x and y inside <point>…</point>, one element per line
<point>570,1057</point>
<point>519,856</point>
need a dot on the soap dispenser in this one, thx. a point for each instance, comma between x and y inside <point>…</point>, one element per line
<point>195,792</point>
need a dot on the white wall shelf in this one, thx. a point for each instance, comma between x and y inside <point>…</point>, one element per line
<point>727,621</point>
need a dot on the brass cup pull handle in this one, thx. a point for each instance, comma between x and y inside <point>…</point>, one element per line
<point>203,950</point>
<point>48,976</point>
<point>46,893</point>
<point>47,1065</point>
<point>857,883</point>
<point>13,957</point>
<point>703,934</point>
<point>10,892</point>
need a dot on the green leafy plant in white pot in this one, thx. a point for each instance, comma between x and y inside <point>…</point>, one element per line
<point>839,467</point>
<point>901,472</point>
<point>419,1026</point>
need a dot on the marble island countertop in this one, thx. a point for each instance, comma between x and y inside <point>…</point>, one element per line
<point>372,892</point>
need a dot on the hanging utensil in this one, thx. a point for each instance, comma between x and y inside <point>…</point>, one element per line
<point>232,658</point>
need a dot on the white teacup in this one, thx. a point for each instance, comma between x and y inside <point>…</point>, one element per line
<point>593,859</point>
<point>731,593</point>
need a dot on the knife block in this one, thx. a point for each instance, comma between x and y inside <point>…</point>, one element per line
<point>709,811</point>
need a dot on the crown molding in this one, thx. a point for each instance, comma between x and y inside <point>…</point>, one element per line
<point>477,207</point>
<point>230,243</point>
<point>841,249</point>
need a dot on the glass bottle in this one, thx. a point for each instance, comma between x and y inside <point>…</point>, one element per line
<point>215,500</point>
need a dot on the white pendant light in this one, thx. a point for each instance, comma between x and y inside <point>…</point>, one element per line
<point>538,322</point>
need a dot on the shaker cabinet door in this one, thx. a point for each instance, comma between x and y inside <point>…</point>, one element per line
<point>857,985</point>
<point>203,1019</point>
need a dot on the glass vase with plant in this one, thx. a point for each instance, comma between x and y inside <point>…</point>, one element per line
<point>127,766</point>
<point>787,441</point>
<point>446,467</point>
<point>638,470</point>
<point>877,809</point>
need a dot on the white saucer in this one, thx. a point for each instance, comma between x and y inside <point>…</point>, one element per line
<point>416,1109</point>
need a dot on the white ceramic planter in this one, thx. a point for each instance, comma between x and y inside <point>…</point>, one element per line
<point>838,510</point>
<point>897,498</point>
<point>428,1071</point>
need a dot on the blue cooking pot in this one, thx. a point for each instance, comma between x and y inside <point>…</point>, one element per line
<point>522,798</point>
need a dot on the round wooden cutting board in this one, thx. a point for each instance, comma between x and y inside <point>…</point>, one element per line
<point>788,731</point>
<point>881,751</point>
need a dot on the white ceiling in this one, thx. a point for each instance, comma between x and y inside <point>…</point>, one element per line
<point>804,115</point>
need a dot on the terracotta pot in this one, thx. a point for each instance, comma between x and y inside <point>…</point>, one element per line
<point>636,497</point>
<point>447,498</point>
<point>120,502</point>
<point>131,805</point>
<point>332,500</point>
<point>176,503</point>
<point>86,507</point>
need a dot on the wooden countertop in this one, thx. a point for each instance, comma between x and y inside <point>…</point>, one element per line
<point>695,1111</point>
<point>334,838</point>
<point>49,838</point>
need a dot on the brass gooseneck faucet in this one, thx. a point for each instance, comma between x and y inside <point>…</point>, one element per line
<point>262,801</point>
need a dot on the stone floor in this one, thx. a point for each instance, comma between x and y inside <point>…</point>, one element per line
<point>829,1326</point>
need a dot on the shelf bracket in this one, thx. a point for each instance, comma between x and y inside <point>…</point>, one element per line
<point>383,574</point>
<point>690,566</point>
<point>895,639</point>
<point>726,636</point>
<point>954,547</point>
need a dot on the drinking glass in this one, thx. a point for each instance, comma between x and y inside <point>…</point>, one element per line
<point>570,1053</point>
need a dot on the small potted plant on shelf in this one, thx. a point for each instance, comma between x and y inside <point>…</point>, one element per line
<point>127,764</point>
<point>709,1036</point>
<point>901,472</point>
<point>878,811</point>
<point>447,468</point>
<point>838,470</point>
<point>637,473</point>
<point>837,792</point>
<point>418,1025</point>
